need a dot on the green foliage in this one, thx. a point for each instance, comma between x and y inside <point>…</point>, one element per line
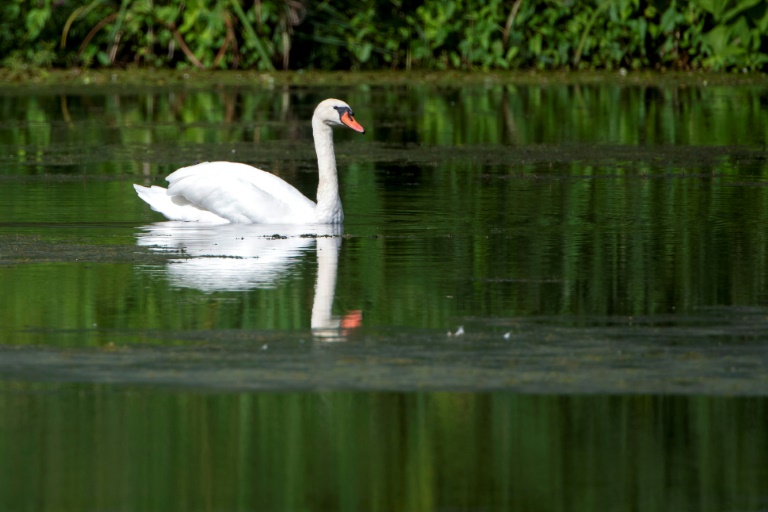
<point>398,34</point>
<point>738,36</point>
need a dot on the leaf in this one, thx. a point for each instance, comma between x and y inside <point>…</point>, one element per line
<point>642,28</point>
<point>364,52</point>
<point>742,6</point>
<point>35,22</point>
<point>715,7</point>
<point>716,39</point>
<point>103,58</point>
<point>668,19</point>
<point>762,23</point>
<point>166,14</point>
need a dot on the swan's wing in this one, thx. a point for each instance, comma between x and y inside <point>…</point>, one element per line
<point>240,193</point>
<point>175,208</point>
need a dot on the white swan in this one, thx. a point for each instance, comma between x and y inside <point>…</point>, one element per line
<point>238,193</point>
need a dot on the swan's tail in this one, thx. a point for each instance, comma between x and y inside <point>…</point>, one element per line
<point>174,207</point>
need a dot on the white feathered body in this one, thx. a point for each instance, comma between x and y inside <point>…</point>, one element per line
<point>232,192</point>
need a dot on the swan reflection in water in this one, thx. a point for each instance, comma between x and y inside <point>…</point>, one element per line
<point>240,257</point>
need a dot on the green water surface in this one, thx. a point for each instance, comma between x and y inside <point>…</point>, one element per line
<point>545,296</point>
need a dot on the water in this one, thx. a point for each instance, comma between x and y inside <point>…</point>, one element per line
<point>544,295</point>
<point>104,448</point>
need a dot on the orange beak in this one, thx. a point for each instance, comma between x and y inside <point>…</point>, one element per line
<point>350,121</point>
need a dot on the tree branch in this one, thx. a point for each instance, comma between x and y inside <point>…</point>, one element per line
<point>510,21</point>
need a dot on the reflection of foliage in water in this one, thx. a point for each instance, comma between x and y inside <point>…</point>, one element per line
<point>378,451</point>
<point>509,199</point>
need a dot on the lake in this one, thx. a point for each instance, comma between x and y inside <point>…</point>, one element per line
<point>547,293</point>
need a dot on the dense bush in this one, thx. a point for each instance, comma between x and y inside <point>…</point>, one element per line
<point>392,34</point>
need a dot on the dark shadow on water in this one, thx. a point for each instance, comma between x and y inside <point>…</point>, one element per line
<point>718,352</point>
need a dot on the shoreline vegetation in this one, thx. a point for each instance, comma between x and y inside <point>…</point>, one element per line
<point>194,79</point>
<point>91,37</point>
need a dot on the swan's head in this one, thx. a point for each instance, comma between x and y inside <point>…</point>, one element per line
<point>337,113</point>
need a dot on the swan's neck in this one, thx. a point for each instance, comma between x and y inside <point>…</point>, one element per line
<point>328,209</point>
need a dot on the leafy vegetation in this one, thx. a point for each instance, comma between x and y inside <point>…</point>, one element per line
<point>386,34</point>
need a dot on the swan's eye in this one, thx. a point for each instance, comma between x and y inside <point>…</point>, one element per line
<point>344,110</point>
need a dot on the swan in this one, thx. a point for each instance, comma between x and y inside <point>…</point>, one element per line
<point>219,192</point>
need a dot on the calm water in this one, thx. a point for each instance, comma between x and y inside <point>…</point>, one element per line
<point>544,296</point>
